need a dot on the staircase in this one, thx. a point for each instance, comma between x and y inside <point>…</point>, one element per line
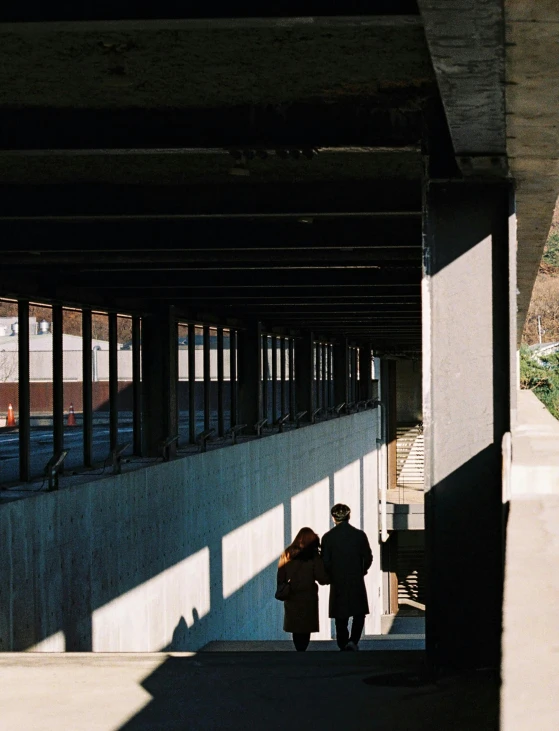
<point>410,456</point>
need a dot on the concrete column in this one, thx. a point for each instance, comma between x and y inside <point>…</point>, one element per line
<point>159,379</point>
<point>304,374</point>
<point>466,402</point>
<point>249,375</point>
<point>341,372</point>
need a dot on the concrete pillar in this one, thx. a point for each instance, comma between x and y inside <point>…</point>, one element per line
<point>341,372</point>
<point>159,379</point>
<point>304,374</point>
<point>249,375</point>
<point>466,402</point>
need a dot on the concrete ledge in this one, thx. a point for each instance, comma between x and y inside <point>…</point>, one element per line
<point>535,449</point>
<point>530,644</point>
<point>368,644</point>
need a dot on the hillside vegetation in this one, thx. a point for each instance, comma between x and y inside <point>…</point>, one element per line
<point>545,296</point>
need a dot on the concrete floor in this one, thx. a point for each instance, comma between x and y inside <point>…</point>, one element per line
<point>239,690</point>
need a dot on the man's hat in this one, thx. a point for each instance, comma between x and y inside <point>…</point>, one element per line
<point>340,512</point>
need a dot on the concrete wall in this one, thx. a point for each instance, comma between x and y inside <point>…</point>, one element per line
<point>181,553</point>
<point>409,392</point>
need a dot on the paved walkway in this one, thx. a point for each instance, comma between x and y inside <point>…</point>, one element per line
<point>230,691</point>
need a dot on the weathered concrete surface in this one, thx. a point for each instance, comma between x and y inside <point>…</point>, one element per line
<point>182,553</point>
<point>234,691</point>
<point>466,44</point>
<point>532,77</point>
<point>530,665</point>
<point>194,63</point>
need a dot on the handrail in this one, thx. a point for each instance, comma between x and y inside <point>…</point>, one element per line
<point>165,446</point>
<point>259,426</point>
<point>234,431</point>
<point>203,438</point>
<point>281,422</point>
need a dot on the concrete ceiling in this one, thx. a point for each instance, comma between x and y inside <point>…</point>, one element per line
<point>240,169</point>
<point>266,168</point>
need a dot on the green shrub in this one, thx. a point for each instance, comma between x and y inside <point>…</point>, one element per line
<point>541,378</point>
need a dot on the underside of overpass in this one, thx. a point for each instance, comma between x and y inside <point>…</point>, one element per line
<point>353,181</point>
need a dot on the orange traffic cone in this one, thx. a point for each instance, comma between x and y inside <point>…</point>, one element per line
<point>10,418</point>
<point>71,421</point>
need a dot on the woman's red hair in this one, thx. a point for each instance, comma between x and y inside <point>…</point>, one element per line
<point>305,538</point>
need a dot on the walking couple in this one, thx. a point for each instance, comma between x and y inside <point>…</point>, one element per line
<point>342,561</point>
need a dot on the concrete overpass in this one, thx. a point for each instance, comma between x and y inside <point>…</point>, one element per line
<point>326,187</point>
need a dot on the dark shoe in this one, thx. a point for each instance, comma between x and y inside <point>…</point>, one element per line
<point>351,647</point>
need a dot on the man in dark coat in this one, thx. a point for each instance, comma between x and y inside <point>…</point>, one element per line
<point>347,558</point>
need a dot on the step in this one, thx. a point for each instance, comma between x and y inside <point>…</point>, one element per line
<point>367,644</point>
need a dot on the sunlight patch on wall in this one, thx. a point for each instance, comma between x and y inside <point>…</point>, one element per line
<point>250,548</point>
<point>347,489</point>
<point>312,508</point>
<point>54,643</point>
<point>153,609</point>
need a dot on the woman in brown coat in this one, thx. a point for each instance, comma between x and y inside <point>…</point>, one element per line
<point>301,565</point>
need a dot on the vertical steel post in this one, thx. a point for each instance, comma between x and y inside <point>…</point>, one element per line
<point>340,363</point>
<point>291,354</point>
<point>57,380</point>
<point>250,376</point>
<point>113,380</point>
<point>207,377</point>
<point>282,376</point>
<point>137,384</point>
<point>191,384</point>
<point>324,377</point>
<point>274,377</point>
<point>233,375</point>
<point>220,419</point>
<point>265,376</point>
<point>304,374</point>
<point>24,396</point>
<point>87,393</point>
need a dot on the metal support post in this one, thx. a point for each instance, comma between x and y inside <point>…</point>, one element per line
<point>113,380</point>
<point>87,394</point>
<point>233,375</point>
<point>220,419</point>
<point>274,378</point>
<point>192,384</point>
<point>24,396</point>
<point>57,380</point>
<point>341,371</point>
<point>207,377</point>
<point>282,408</point>
<point>249,357</point>
<point>304,373</point>
<point>159,380</point>
<point>137,385</point>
